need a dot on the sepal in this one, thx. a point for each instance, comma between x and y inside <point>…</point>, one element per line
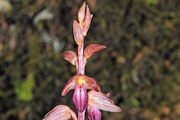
<point>70,56</point>
<point>70,85</point>
<point>90,83</point>
<point>102,102</point>
<point>60,112</point>
<point>92,49</point>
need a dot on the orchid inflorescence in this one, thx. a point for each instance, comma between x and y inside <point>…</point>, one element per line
<point>94,100</point>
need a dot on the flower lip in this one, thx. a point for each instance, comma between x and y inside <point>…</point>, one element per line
<point>80,97</point>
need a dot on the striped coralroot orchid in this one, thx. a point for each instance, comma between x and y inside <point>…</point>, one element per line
<point>94,100</point>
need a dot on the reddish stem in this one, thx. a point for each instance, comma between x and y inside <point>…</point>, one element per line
<point>80,59</point>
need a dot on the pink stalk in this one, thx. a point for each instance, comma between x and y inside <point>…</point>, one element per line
<point>80,59</point>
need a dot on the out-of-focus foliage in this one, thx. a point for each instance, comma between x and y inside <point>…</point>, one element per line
<point>139,68</point>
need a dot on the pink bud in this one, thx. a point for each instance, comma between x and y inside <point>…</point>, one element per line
<point>87,21</point>
<point>81,13</point>
<point>93,113</point>
<point>80,97</point>
<point>78,36</point>
<point>60,112</point>
<point>102,102</point>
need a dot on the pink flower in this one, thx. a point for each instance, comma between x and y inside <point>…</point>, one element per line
<point>89,83</point>
<point>80,83</point>
<point>99,101</point>
<point>60,112</point>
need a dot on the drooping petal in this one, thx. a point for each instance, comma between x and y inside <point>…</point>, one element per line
<point>92,49</point>
<point>101,101</point>
<point>93,113</point>
<point>78,36</point>
<point>81,13</point>
<point>60,112</point>
<point>87,21</point>
<point>80,97</point>
<point>70,85</point>
<point>90,83</point>
<point>70,56</point>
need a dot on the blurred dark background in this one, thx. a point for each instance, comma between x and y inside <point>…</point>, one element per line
<point>140,67</point>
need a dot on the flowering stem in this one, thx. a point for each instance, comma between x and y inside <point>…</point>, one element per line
<point>80,70</point>
<point>80,83</point>
<point>80,59</point>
